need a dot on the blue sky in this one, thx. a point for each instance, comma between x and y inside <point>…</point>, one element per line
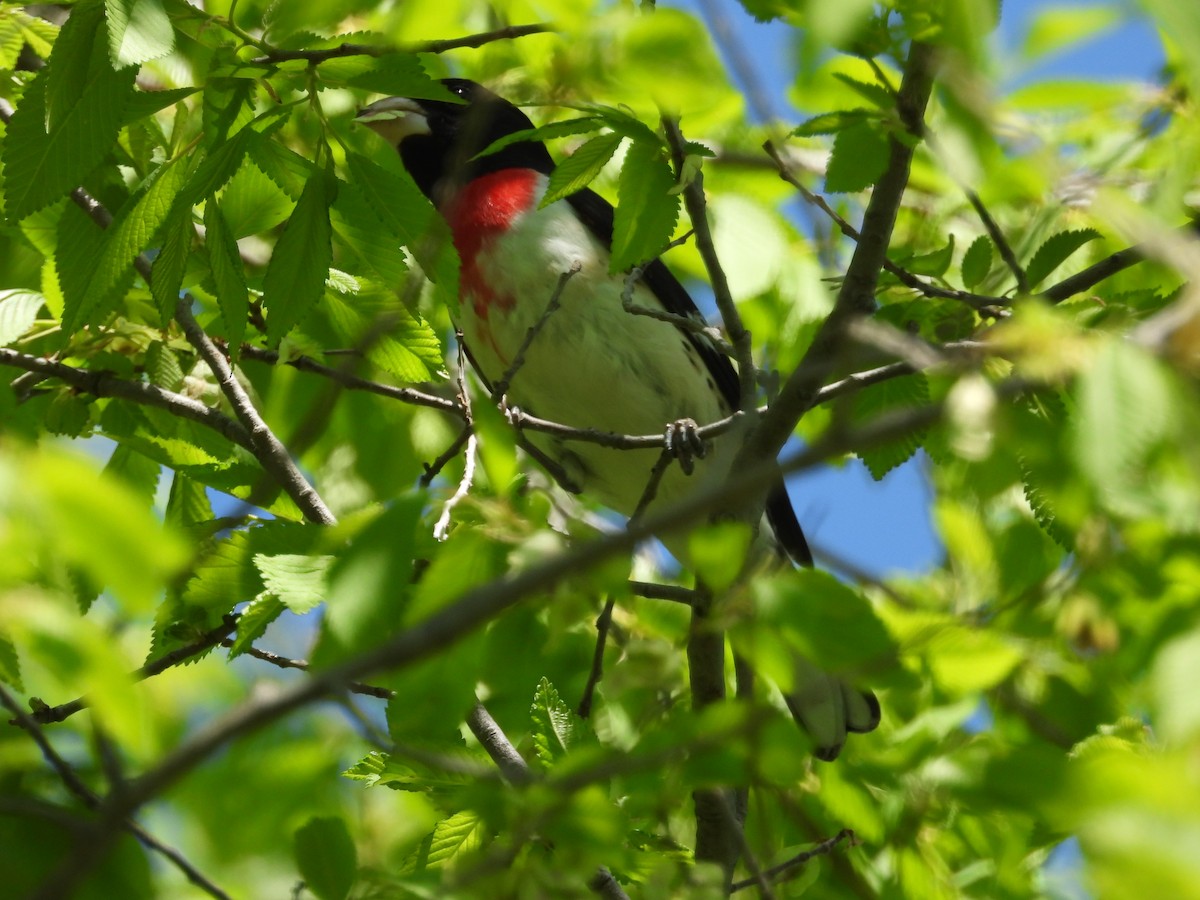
<point>884,527</point>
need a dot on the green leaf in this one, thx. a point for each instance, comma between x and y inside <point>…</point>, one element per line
<point>398,74</point>
<point>380,769</point>
<point>456,836</point>
<point>229,281</point>
<point>647,210</point>
<point>169,266</point>
<point>1127,405</point>
<point>1054,252</point>
<point>127,237</point>
<point>832,122</point>
<point>356,226</point>
<point>298,581</point>
<point>12,41</point>
<point>39,165</point>
<point>146,103</point>
<point>554,726</point>
<point>395,198</point>
<point>77,57</point>
<point>1056,27</point>
<point>977,262</point>
<point>138,31</point>
<point>1176,673</point>
<point>252,624</point>
<point>859,156</point>
<point>326,857</point>
<point>874,93</point>
<point>187,503</point>
<point>18,311</point>
<point>295,277</point>
<point>579,169</point>
<point>831,624</point>
<point>934,264</point>
<point>550,131</point>
<point>10,665</point>
<point>907,392</point>
<point>719,552</point>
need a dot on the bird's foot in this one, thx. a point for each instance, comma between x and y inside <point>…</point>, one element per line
<point>683,442</point>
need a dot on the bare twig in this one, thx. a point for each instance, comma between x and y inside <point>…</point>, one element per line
<point>354,382</point>
<point>650,491</point>
<point>432,469</point>
<point>270,451</point>
<point>603,621</point>
<point>473,41</point>
<point>739,337</point>
<point>105,384</point>
<point>501,386</point>
<point>285,662</point>
<point>671,592</point>
<point>998,238</point>
<point>822,849</point>
<point>48,715</point>
<point>1094,274</point>
<point>441,529</point>
<point>91,800</point>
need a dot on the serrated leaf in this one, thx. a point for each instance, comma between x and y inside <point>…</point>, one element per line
<point>146,103</point>
<point>565,128</point>
<point>229,281</point>
<point>1126,405</point>
<point>451,838</point>
<point>398,74</point>
<point>554,726</point>
<point>394,198</point>
<point>298,581</point>
<point>252,203</point>
<point>10,665</point>
<point>166,272</point>
<point>18,311</point>
<point>356,226</point>
<point>228,575</point>
<point>831,122</point>
<point>138,31</point>
<point>1054,252</point>
<point>326,857</point>
<point>907,392</point>
<point>859,157</point>
<point>77,58</point>
<point>977,262</point>
<point>187,503</point>
<point>579,169</point>
<point>39,34</point>
<point>11,41</point>
<point>39,165</point>
<point>380,769</point>
<point>295,277</point>
<point>127,237</point>
<point>647,210</point>
<point>874,93</point>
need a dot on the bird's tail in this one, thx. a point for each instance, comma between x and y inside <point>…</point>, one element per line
<point>829,709</point>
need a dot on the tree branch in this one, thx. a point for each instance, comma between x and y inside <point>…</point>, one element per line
<point>91,800</point>
<point>473,41</point>
<point>105,384</point>
<point>785,868</point>
<point>857,295</point>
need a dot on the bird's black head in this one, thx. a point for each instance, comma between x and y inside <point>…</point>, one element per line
<point>438,139</point>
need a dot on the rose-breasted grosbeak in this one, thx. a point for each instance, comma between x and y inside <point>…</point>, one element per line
<point>593,364</point>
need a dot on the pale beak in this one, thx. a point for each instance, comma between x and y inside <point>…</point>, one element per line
<point>394,118</point>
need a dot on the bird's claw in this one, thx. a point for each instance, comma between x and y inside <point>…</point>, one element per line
<point>683,442</point>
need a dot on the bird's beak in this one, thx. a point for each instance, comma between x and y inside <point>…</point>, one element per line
<point>394,118</point>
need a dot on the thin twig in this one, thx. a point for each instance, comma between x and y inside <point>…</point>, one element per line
<point>603,621</point>
<point>473,41</point>
<point>270,451</point>
<point>91,800</point>
<point>1094,274</point>
<point>285,662</point>
<point>432,469</point>
<point>757,876</point>
<point>650,491</point>
<point>501,386</point>
<point>697,207</point>
<point>105,384</point>
<point>441,529</point>
<point>822,849</point>
<point>48,715</point>
<point>354,382</point>
<point>998,238</point>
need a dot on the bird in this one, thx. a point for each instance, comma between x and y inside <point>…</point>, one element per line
<point>590,361</point>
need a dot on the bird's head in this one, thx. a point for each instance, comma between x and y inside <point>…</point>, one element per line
<point>438,140</point>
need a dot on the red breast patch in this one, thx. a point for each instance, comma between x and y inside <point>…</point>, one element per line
<point>481,212</point>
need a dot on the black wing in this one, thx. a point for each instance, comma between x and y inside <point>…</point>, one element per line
<point>597,214</point>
